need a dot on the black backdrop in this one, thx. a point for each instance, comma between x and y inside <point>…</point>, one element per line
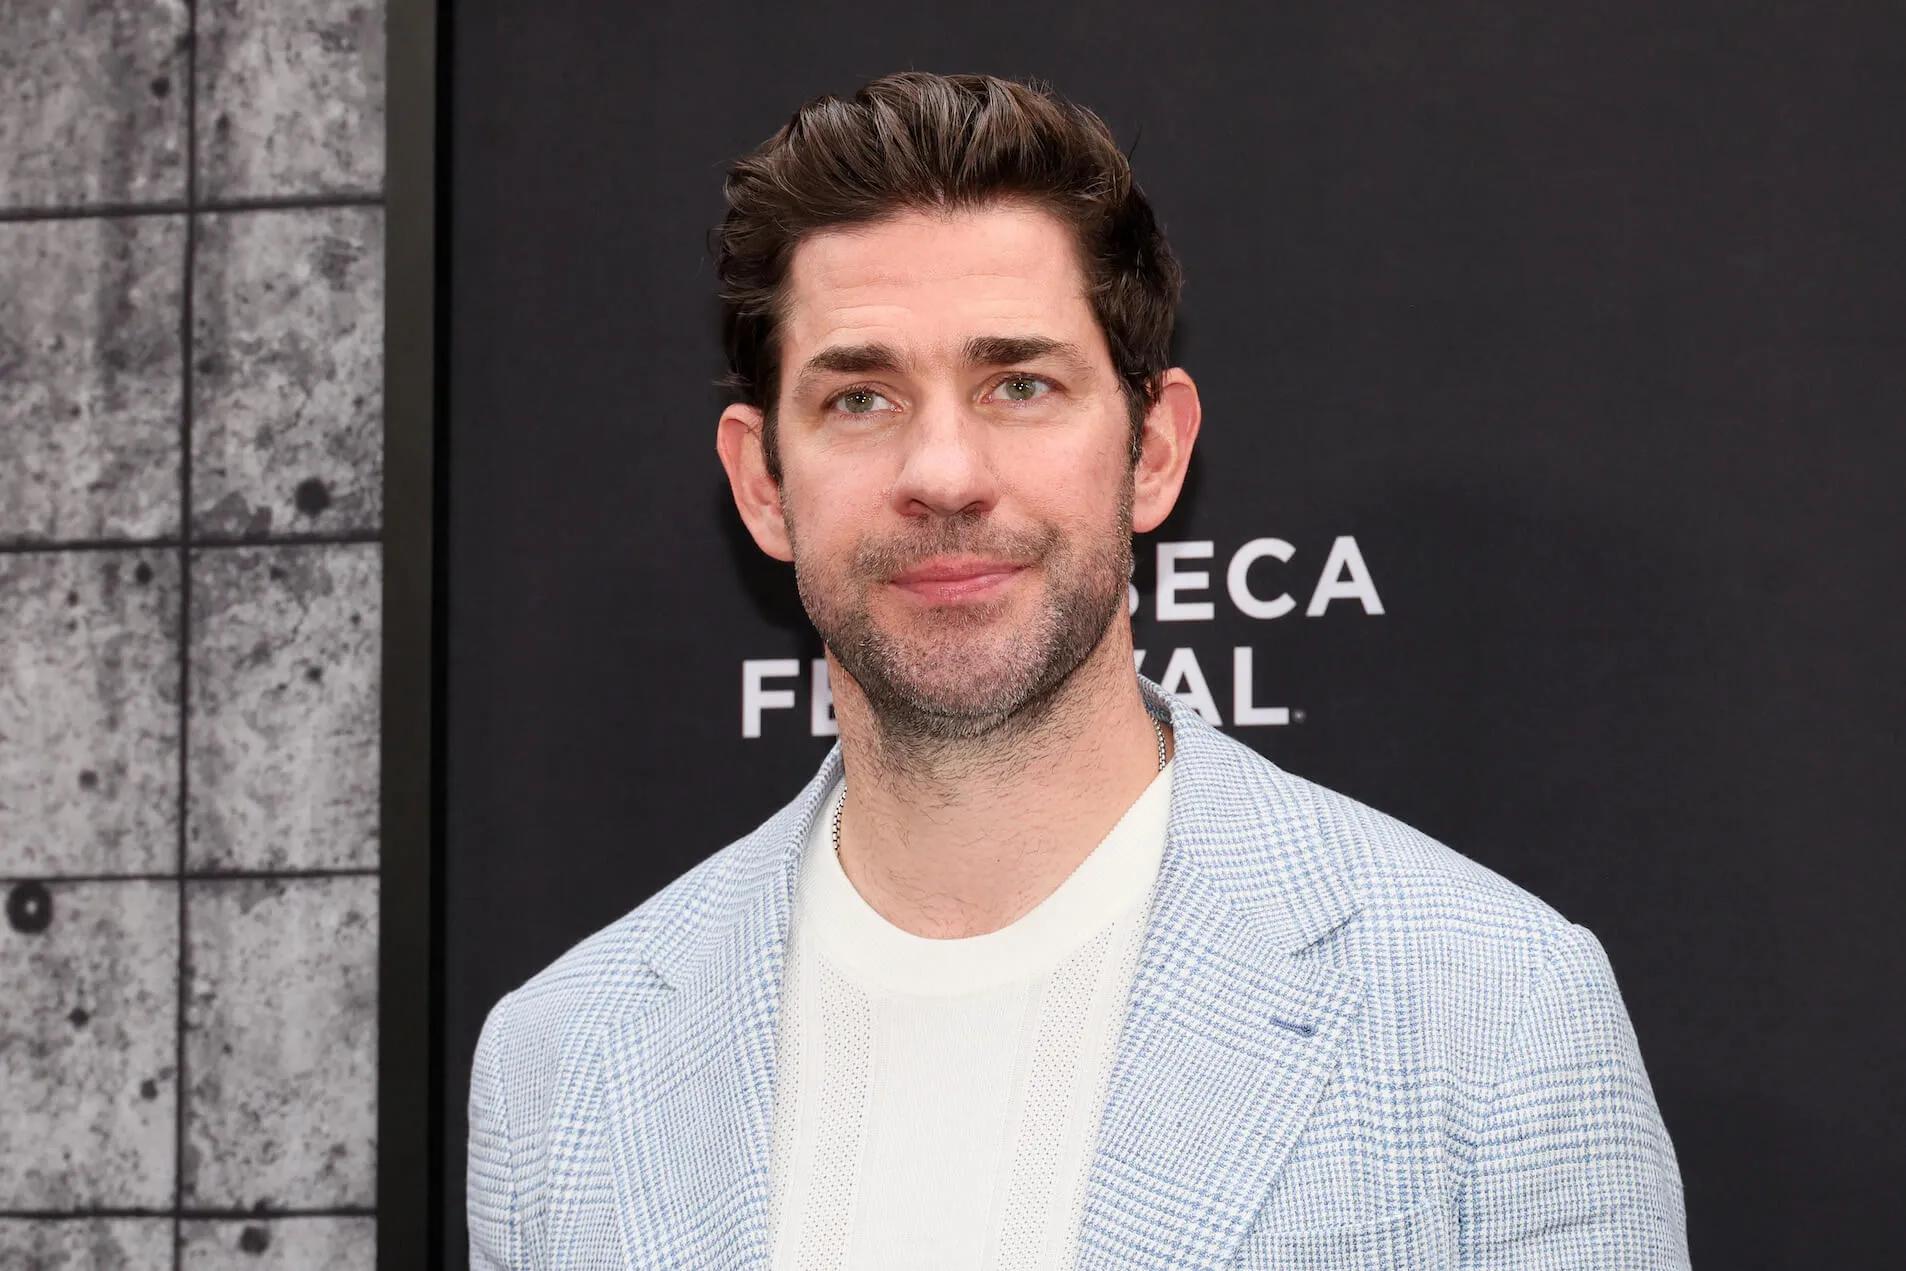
<point>1583,321</point>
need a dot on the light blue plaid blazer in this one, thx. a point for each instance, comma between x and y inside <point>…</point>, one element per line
<point>1347,1047</point>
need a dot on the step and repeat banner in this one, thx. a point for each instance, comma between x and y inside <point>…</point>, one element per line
<point>1549,495</point>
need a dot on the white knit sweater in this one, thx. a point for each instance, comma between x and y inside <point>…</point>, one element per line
<point>937,1098</point>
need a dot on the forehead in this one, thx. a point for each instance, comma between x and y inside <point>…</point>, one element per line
<point>932,280</point>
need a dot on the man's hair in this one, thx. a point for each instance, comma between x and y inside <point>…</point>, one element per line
<point>921,142</point>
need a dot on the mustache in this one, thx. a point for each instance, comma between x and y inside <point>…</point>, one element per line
<point>952,536</point>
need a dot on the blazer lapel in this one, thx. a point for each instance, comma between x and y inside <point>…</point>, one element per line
<point>1231,1034</point>
<point>690,1079</point>
<point>1230,1037</point>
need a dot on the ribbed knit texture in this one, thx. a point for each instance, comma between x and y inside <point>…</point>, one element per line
<point>937,1099</point>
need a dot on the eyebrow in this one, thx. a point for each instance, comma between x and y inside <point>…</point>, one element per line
<point>1012,350</point>
<point>846,359</point>
<point>853,359</point>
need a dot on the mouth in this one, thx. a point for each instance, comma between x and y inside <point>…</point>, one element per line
<point>943,580</point>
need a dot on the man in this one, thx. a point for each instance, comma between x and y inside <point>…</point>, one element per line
<point>1040,970</point>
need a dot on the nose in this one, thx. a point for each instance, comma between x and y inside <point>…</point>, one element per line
<point>945,470</point>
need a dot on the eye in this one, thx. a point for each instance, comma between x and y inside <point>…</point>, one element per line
<point>1022,388</point>
<point>860,401</point>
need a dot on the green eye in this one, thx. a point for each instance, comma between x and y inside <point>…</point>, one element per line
<point>1021,388</point>
<point>859,401</point>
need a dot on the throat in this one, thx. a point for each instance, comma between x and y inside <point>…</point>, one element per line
<point>954,858</point>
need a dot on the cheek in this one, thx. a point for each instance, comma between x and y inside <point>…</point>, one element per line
<point>825,520</point>
<point>1078,486</point>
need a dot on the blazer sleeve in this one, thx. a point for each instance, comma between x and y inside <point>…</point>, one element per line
<point>1573,1168</point>
<point>490,1195</point>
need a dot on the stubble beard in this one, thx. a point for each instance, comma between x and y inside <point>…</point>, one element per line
<point>959,676</point>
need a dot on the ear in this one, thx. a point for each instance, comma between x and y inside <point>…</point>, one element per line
<point>738,441</point>
<point>1171,427</point>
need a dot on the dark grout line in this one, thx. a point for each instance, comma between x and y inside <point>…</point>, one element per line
<point>90,212</point>
<point>169,542</point>
<point>187,1215</point>
<point>29,547</point>
<point>186,207</point>
<point>293,202</point>
<point>199,876</point>
<point>187,291</point>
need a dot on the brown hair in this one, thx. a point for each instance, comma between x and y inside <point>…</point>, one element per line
<point>921,141</point>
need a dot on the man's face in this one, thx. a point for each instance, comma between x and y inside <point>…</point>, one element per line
<point>956,474</point>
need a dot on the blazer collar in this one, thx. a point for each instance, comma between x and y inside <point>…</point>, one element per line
<point>1251,831</point>
<point>690,1076</point>
<point>1228,1040</point>
<point>1231,1033</point>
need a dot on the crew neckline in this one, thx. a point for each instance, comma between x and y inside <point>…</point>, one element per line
<point>1114,879</point>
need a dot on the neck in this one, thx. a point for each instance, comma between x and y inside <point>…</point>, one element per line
<point>963,838</point>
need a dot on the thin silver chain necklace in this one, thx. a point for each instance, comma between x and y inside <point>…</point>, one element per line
<point>1158,731</point>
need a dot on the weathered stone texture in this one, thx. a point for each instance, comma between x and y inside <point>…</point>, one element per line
<point>278,331</point>
<point>90,377</point>
<point>287,432</point>
<point>88,1045</point>
<point>95,103</point>
<point>284,707</point>
<point>281,1043</point>
<point>280,1244</point>
<point>89,714</point>
<point>291,98</point>
<point>85,1244</point>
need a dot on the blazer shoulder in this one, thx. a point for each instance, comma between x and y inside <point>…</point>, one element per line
<point>631,959</point>
<point>1404,876</point>
<point>1438,937</point>
<point>1317,839</point>
<point>539,1045</point>
<point>620,960</point>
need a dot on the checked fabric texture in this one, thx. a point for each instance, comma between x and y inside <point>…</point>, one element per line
<point>1347,1048</point>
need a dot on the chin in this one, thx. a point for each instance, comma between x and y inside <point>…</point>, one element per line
<point>968,700</point>
<point>979,680</point>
